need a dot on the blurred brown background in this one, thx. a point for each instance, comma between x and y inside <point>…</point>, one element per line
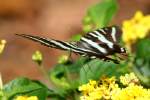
<point>58,19</point>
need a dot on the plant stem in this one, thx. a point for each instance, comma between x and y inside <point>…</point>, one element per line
<point>1,82</point>
<point>44,72</point>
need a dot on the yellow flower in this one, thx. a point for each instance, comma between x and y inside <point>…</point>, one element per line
<point>98,90</point>
<point>128,79</point>
<point>108,89</point>
<point>2,45</point>
<point>86,88</point>
<point>26,98</point>
<point>132,92</point>
<point>136,28</point>
<point>96,94</point>
<point>37,57</point>
<point>63,59</point>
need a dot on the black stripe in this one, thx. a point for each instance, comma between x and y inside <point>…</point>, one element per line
<point>94,49</point>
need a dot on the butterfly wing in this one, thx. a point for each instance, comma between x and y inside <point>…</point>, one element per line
<point>112,33</point>
<point>100,41</point>
<point>103,40</point>
<point>53,43</point>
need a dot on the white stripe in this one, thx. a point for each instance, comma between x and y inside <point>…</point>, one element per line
<point>95,45</point>
<point>103,39</point>
<point>81,49</point>
<point>102,31</point>
<point>72,48</point>
<point>52,41</point>
<point>113,33</point>
<point>36,39</point>
<point>65,47</point>
<point>75,49</point>
<point>59,44</point>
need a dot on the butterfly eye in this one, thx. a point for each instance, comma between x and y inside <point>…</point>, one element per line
<point>123,50</point>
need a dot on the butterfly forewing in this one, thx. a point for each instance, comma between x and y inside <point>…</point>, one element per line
<point>101,41</point>
<point>111,33</point>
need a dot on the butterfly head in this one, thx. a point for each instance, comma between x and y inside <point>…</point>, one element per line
<point>122,50</point>
<point>119,49</point>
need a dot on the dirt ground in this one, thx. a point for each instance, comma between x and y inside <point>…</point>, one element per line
<point>58,19</point>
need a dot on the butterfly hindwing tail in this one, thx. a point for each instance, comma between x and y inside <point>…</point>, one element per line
<point>52,43</point>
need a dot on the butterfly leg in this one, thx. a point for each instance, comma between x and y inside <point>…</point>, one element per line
<point>70,55</point>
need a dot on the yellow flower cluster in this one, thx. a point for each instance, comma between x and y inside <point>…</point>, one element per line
<point>129,78</point>
<point>110,89</point>
<point>136,28</point>
<point>132,92</point>
<point>26,98</point>
<point>98,90</point>
<point>2,45</point>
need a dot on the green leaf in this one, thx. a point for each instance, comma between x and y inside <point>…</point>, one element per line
<point>87,20</point>
<point>76,65</point>
<point>76,37</point>
<point>87,28</point>
<point>62,73</point>
<point>143,49</point>
<point>66,77</point>
<point>58,76</point>
<point>142,61</point>
<point>97,68</point>
<point>142,72</point>
<point>102,13</point>
<point>24,86</point>
<point>41,93</point>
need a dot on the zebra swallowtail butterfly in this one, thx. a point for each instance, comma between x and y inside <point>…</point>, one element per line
<point>100,43</point>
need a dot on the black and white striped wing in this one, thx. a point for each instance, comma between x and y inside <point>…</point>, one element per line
<point>103,34</point>
<point>112,33</point>
<point>102,41</point>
